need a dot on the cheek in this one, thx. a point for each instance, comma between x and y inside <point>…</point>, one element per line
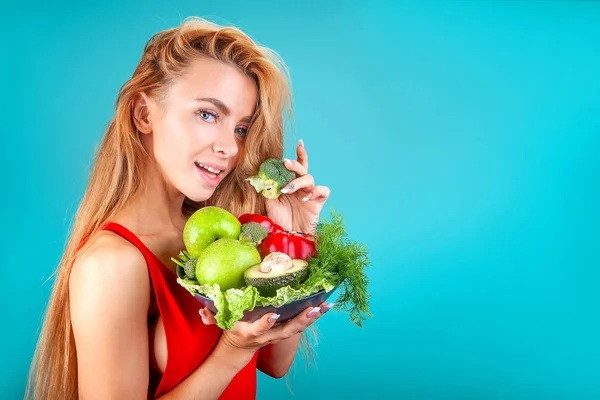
<point>171,146</point>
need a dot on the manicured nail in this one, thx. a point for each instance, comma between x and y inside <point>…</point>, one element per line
<point>307,198</point>
<point>301,142</point>
<point>327,307</point>
<point>274,318</point>
<point>287,161</point>
<point>286,189</point>
<point>313,312</point>
<point>202,314</point>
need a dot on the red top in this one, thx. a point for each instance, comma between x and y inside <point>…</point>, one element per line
<point>188,340</point>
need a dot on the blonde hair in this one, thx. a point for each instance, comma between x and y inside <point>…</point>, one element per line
<point>118,170</point>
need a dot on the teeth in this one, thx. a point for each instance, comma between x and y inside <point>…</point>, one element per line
<point>211,169</point>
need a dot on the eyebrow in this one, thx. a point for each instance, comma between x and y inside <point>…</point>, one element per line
<point>222,107</point>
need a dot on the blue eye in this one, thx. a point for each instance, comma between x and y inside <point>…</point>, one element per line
<point>243,132</point>
<point>207,116</point>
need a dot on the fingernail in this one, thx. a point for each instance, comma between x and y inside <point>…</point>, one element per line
<point>202,313</point>
<point>308,197</point>
<point>287,188</point>
<point>327,307</point>
<point>313,312</point>
<point>287,161</point>
<point>301,142</point>
<point>274,318</point>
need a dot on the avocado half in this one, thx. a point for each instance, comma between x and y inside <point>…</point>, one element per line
<point>267,283</point>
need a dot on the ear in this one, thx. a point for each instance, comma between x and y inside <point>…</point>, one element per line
<point>141,113</point>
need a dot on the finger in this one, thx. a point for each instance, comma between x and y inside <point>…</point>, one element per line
<point>264,323</point>
<point>306,182</point>
<point>301,154</point>
<point>325,306</point>
<point>302,321</point>
<point>318,193</point>
<point>295,325</point>
<point>207,316</point>
<point>295,166</point>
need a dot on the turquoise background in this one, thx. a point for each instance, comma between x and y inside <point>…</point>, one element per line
<point>460,140</point>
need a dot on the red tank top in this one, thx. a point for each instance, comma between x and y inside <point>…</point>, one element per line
<point>188,340</point>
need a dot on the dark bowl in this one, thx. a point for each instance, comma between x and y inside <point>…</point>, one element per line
<point>285,312</point>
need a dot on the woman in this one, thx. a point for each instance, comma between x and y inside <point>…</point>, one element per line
<point>203,109</point>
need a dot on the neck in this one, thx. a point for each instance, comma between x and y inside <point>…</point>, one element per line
<point>156,208</point>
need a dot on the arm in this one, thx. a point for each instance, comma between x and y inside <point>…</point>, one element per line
<point>276,356</point>
<point>109,295</point>
<point>275,359</point>
<point>235,349</point>
<point>213,376</point>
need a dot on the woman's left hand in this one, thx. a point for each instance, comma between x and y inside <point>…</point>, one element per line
<point>298,208</point>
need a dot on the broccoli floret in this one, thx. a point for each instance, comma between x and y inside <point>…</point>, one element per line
<point>272,177</point>
<point>186,264</point>
<point>253,232</point>
<point>190,268</point>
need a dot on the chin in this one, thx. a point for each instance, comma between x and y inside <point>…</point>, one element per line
<point>203,191</point>
<point>199,196</point>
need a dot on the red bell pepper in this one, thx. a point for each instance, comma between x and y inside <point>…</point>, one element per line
<point>261,219</point>
<point>294,244</point>
<point>297,245</point>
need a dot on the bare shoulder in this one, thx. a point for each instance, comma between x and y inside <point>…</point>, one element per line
<point>110,271</point>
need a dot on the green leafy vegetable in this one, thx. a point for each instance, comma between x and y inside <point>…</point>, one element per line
<point>342,261</point>
<point>232,303</point>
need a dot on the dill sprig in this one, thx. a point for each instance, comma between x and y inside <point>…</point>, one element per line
<point>342,262</point>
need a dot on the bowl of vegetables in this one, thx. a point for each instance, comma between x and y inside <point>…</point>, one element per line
<point>242,268</point>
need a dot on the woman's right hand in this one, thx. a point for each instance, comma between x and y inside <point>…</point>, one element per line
<point>264,331</point>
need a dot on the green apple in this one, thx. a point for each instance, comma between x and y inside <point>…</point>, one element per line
<point>207,225</point>
<point>224,262</point>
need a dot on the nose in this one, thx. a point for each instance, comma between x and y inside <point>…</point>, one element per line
<point>225,144</point>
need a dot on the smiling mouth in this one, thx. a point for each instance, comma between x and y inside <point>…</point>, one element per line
<point>210,171</point>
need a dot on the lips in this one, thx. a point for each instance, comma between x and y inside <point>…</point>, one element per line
<point>210,168</point>
<point>211,173</point>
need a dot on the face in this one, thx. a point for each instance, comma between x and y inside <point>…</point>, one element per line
<point>199,129</point>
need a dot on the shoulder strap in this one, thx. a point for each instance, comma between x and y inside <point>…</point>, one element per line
<point>126,234</point>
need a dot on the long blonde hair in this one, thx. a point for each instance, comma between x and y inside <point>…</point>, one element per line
<point>118,170</point>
